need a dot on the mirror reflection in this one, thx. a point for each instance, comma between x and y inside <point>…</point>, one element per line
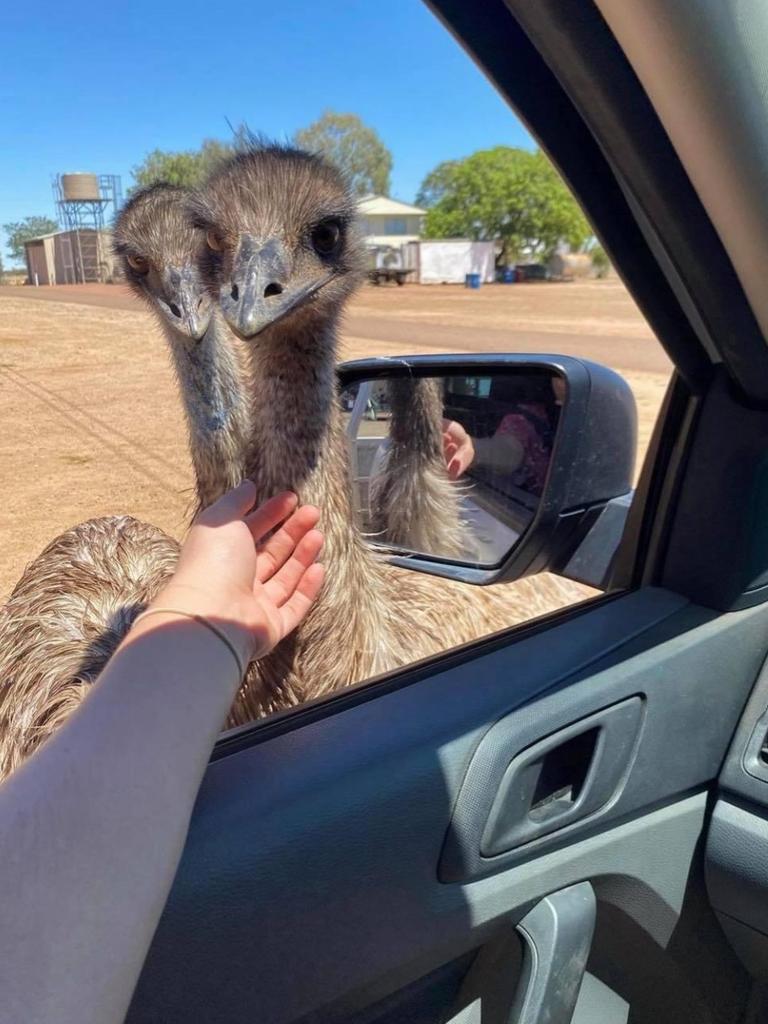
<point>452,466</point>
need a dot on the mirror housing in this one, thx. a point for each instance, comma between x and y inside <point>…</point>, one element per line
<point>590,476</point>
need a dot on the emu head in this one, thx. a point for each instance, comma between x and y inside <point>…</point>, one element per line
<point>160,254</point>
<point>281,241</point>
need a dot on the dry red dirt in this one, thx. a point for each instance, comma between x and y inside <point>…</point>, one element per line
<point>90,421</point>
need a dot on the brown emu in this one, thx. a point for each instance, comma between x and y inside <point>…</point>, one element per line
<point>283,258</point>
<point>160,254</point>
<point>280,261</point>
<point>77,599</point>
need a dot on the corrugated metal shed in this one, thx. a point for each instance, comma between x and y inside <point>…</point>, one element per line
<point>70,257</point>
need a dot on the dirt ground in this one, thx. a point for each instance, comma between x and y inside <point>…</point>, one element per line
<point>90,420</point>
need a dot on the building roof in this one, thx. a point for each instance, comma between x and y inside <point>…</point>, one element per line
<point>389,241</point>
<point>65,231</point>
<point>372,205</point>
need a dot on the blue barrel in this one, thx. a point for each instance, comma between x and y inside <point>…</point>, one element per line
<point>509,275</point>
<point>472,281</point>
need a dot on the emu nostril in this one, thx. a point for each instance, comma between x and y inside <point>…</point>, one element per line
<point>200,302</point>
<point>235,293</point>
<point>174,309</point>
<point>273,289</point>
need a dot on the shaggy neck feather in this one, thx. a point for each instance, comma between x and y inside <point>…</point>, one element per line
<point>214,395</point>
<point>298,440</point>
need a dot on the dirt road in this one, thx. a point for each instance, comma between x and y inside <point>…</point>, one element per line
<point>596,319</point>
<point>90,422</point>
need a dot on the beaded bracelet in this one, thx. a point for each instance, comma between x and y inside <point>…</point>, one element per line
<point>203,622</point>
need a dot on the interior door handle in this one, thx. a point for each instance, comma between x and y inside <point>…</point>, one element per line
<point>562,778</point>
<point>557,937</point>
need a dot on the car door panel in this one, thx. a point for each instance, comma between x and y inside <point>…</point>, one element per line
<point>737,840</point>
<point>310,885</point>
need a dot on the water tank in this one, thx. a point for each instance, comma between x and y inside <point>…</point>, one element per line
<point>80,187</point>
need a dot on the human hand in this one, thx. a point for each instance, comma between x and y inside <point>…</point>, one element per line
<point>256,591</point>
<point>458,450</point>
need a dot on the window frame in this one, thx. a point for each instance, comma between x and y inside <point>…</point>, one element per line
<point>493,36</point>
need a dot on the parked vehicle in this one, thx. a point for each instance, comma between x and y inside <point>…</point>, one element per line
<point>385,275</point>
<point>531,272</point>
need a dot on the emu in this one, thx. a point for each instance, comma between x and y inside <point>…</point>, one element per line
<point>283,257</point>
<point>160,254</point>
<point>78,598</point>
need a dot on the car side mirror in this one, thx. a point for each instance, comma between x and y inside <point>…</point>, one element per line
<point>490,468</point>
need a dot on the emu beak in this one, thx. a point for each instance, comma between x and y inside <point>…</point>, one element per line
<point>260,291</point>
<point>187,305</point>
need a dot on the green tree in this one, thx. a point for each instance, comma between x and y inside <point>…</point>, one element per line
<point>503,194</point>
<point>354,147</point>
<point>600,260</point>
<point>19,232</point>
<point>186,168</point>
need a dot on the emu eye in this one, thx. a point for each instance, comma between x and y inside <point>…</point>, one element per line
<point>214,241</point>
<point>326,236</point>
<point>138,263</point>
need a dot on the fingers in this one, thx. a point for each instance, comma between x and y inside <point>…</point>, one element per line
<point>279,548</point>
<point>269,515</point>
<point>297,606</point>
<point>283,584</point>
<point>232,505</point>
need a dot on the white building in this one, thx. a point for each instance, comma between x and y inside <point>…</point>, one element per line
<point>392,232</point>
<point>389,223</point>
<point>449,260</point>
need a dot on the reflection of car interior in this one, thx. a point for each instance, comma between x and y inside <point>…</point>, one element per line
<point>502,484</point>
<point>502,480</point>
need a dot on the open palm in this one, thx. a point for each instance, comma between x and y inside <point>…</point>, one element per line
<point>255,584</point>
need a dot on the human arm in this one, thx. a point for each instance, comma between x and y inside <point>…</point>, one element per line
<point>502,454</point>
<point>458,449</point>
<point>93,825</point>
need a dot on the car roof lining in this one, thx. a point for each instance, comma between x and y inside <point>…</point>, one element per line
<point>703,67</point>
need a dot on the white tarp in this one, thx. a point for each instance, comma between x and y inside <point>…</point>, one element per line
<point>447,262</point>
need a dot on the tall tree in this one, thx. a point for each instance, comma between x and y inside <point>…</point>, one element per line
<point>503,194</point>
<point>20,231</point>
<point>187,167</point>
<point>353,146</point>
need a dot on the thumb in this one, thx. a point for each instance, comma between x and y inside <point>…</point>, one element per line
<point>232,505</point>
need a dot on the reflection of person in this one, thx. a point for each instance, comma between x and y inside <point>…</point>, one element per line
<point>93,824</point>
<point>458,450</point>
<point>532,424</point>
<point>522,442</point>
<point>528,430</point>
<point>521,445</point>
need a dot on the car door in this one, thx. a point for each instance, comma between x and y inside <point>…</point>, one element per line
<point>516,830</point>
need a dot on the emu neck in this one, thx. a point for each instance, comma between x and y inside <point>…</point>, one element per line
<point>298,440</point>
<point>298,443</point>
<point>211,376</point>
<point>294,415</point>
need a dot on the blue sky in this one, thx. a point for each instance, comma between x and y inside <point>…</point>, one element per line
<point>96,86</point>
